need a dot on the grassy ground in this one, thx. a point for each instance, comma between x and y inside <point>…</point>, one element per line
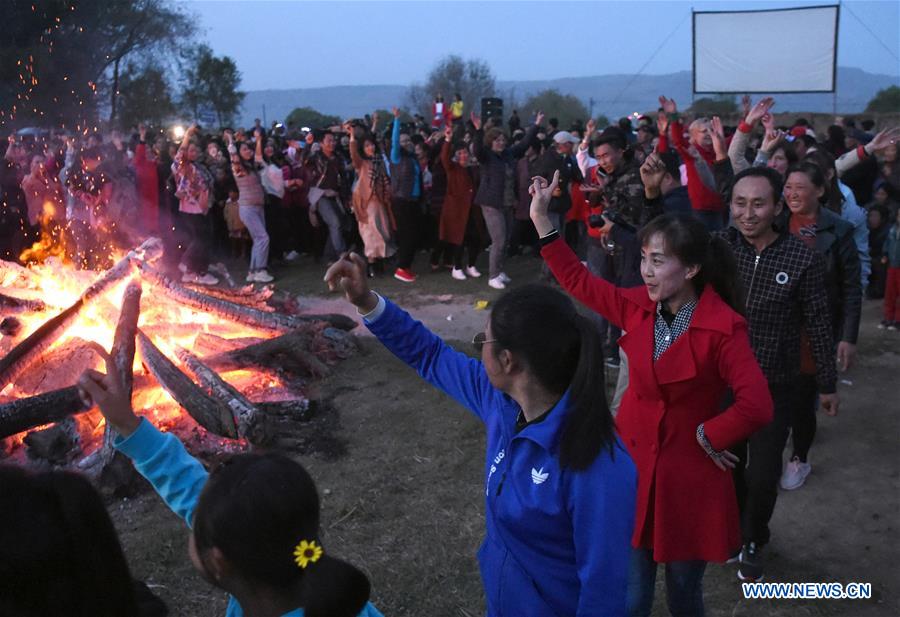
<point>404,502</point>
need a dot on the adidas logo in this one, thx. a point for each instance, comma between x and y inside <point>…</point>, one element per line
<point>539,476</point>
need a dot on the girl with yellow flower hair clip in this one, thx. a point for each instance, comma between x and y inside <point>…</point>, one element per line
<point>255,519</point>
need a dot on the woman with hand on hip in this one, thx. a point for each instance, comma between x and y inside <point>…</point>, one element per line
<point>687,345</point>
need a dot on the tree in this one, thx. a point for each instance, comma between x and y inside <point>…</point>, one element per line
<point>307,116</point>
<point>885,101</point>
<point>564,107</point>
<point>143,28</point>
<point>209,81</point>
<point>58,56</point>
<point>145,97</point>
<point>721,105</point>
<point>472,79</point>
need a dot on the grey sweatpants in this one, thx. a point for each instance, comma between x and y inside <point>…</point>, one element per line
<point>495,219</point>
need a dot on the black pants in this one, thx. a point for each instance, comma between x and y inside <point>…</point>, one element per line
<point>407,215</point>
<point>756,474</point>
<point>196,237</point>
<point>523,235</point>
<point>803,415</point>
<point>277,227</point>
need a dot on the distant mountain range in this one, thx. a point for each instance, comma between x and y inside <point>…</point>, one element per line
<point>613,95</point>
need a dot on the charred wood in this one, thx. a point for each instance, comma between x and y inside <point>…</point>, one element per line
<point>207,411</point>
<point>250,425</point>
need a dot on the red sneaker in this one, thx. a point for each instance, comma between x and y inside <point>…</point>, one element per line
<point>404,275</point>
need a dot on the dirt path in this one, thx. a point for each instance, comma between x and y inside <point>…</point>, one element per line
<point>404,503</point>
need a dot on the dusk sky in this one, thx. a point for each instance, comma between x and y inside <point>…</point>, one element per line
<point>285,44</point>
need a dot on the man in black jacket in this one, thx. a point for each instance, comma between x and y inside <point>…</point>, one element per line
<point>785,285</point>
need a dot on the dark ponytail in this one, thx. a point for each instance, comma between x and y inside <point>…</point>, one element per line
<point>688,239</point>
<point>563,351</point>
<point>256,508</point>
<point>334,588</point>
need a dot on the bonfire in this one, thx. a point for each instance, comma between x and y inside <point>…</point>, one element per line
<point>220,366</point>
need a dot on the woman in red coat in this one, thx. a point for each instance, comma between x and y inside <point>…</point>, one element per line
<point>686,346</point>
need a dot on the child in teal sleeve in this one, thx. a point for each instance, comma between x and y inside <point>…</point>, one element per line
<point>254,521</point>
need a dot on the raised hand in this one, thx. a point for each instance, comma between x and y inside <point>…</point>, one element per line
<point>541,192</point>
<point>771,140</point>
<point>668,105</point>
<point>884,139</point>
<point>768,122</point>
<point>589,128</point>
<point>349,275</point>
<point>448,133</point>
<point>662,123</point>
<point>652,173</point>
<point>539,118</point>
<point>718,137</point>
<point>476,121</point>
<point>745,104</point>
<point>759,110</point>
<point>109,394</point>
<point>395,111</point>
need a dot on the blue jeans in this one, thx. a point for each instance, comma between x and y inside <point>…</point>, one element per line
<point>684,585</point>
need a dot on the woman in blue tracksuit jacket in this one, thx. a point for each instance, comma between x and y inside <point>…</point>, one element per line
<point>559,486</point>
<point>244,518</point>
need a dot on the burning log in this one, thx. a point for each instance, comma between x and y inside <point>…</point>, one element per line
<point>207,411</point>
<point>122,351</point>
<point>207,344</point>
<point>236,312</point>
<point>23,354</point>
<point>247,295</point>
<point>11,304</point>
<point>53,406</point>
<point>60,366</point>
<point>287,351</point>
<point>26,413</point>
<point>250,425</point>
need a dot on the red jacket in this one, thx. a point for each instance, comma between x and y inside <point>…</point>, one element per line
<point>686,506</point>
<point>704,196</point>
<point>148,190</point>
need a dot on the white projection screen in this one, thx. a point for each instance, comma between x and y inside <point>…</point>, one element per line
<point>781,50</point>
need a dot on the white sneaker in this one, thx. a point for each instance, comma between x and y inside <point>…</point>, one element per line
<point>497,283</point>
<point>263,276</point>
<point>458,274</point>
<point>795,474</point>
<point>502,276</point>
<point>207,279</point>
<point>473,272</point>
<point>291,256</point>
<point>190,277</point>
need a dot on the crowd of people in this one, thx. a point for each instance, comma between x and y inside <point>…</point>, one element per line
<point>724,272</point>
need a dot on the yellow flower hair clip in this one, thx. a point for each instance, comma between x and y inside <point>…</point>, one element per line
<point>306,553</point>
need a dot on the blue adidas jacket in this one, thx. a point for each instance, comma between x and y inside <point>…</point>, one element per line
<point>179,478</point>
<point>558,542</point>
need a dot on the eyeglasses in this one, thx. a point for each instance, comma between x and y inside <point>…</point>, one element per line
<point>480,339</point>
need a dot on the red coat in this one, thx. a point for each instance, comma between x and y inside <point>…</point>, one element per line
<point>686,506</point>
<point>147,189</point>
<point>458,201</point>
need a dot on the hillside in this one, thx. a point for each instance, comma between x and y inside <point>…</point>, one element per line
<point>614,95</point>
